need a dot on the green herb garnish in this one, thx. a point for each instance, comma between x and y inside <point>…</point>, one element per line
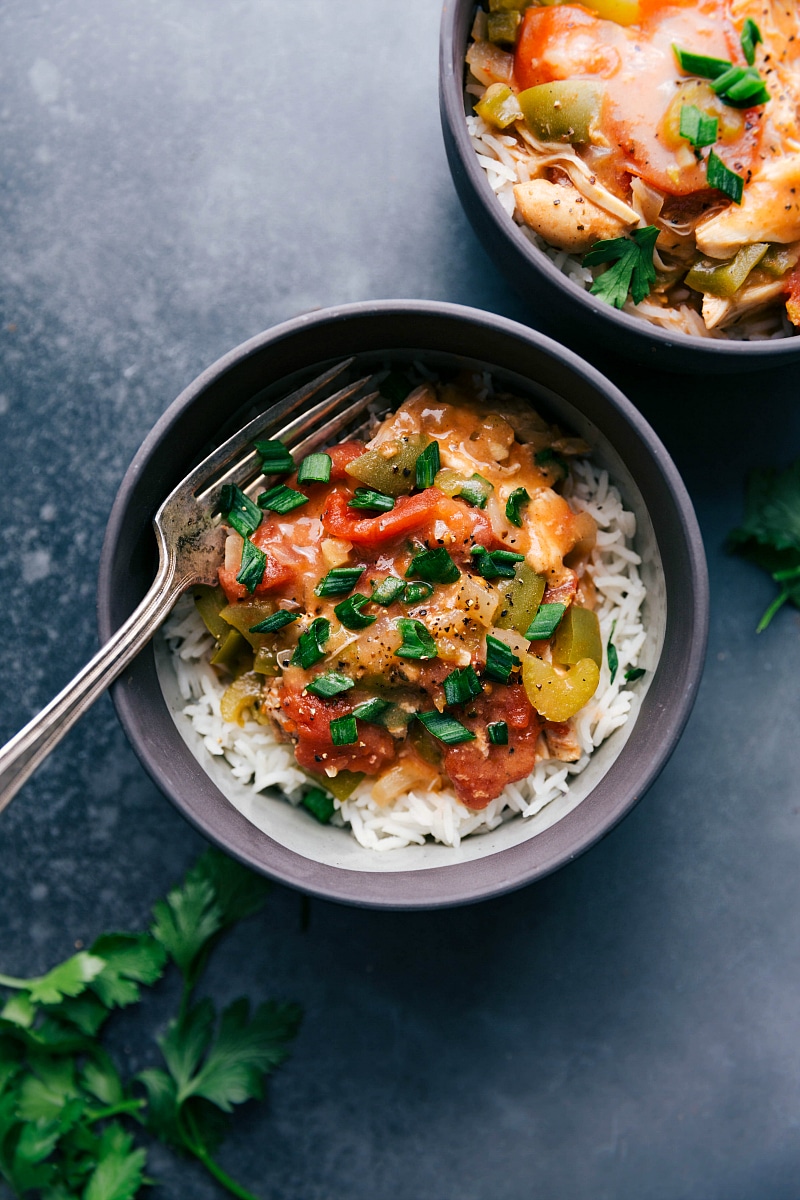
<point>461,685</point>
<point>500,660</point>
<point>350,613</point>
<point>63,1099</point>
<point>634,673</point>
<point>415,593</point>
<point>388,590</point>
<point>611,654</point>
<point>700,64</point>
<point>275,458</point>
<point>372,710</point>
<point>309,645</point>
<point>475,491</point>
<point>770,533</point>
<point>332,683</point>
<point>514,504</point>
<point>274,621</point>
<point>698,127</point>
<point>750,37</point>
<point>495,564</point>
<point>254,561</point>
<point>395,387</point>
<point>281,499</point>
<point>315,468</point>
<point>435,566</point>
<point>368,501</point>
<point>545,623</point>
<point>239,510</point>
<point>417,641</point>
<point>428,465</point>
<point>445,728</point>
<point>497,733</point>
<point>721,177</point>
<point>633,270</point>
<point>741,87</point>
<point>319,804</point>
<point>344,731</point>
<point>547,455</point>
<point>338,581</point>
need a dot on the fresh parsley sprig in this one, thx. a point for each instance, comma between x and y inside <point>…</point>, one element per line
<point>62,1098</point>
<point>769,536</point>
<point>632,270</point>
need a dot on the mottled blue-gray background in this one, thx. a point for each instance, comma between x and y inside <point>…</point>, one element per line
<point>174,178</point>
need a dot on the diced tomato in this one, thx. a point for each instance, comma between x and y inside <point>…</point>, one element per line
<point>341,455</point>
<point>560,43</point>
<point>308,719</point>
<point>479,770</point>
<point>275,575</point>
<point>460,524</point>
<point>793,302</point>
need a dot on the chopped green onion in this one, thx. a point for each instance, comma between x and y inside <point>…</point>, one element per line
<point>548,456</point>
<point>339,581</point>
<point>514,503</point>
<point>500,660</point>
<point>720,176</point>
<point>475,491</point>
<point>751,36</point>
<point>315,468</point>
<point>239,510</point>
<point>498,733</point>
<point>372,710</point>
<point>368,501</point>
<point>395,387</point>
<point>281,499</point>
<point>309,645</point>
<point>495,564</point>
<point>461,685</point>
<point>415,593</point>
<point>445,728</point>
<point>428,464</point>
<point>388,590</point>
<point>319,804</point>
<point>275,621</point>
<point>344,730</point>
<point>741,87</point>
<point>697,127</point>
<point>275,458</point>
<point>417,641</point>
<point>251,572</point>
<point>545,623</point>
<point>611,654</point>
<point>329,684</point>
<point>700,64</point>
<point>350,614</point>
<point>634,673</point>
<point>436,566</point>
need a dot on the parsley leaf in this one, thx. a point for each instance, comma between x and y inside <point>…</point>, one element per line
<point>769,536</point>
<point>119,1173</point>
<point>69,978</point>
<point>633,270</point>
<point>129,959</point>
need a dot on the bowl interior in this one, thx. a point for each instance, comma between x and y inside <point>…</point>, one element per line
<point>292,827</point>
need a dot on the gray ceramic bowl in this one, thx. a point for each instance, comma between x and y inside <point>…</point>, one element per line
<point>285,842</point>
<point>563,306</point>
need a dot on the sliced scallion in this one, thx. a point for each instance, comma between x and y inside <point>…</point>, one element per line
<point>344,731</point>
<point>366,500</point>
<point>514,504</point>
<point>275,621</point>
<point>634,673</point>
<point>239,510</point>
<point>417,641</point>
<point>722,177</point>
<point>435,566</point>
<point>319,804</point>
<point>281,499</point>
<point>332,683</point>
<point>548,456</point>
<point>750,37</point>
<point>500,660</point>
<point>309,645</point>
<point>415,593</point>
<point>461,685</point>
<point>372,710</point>
<point>445,728</point>
<point>388,590</point>
<point>251,572</point>
<point>338,581</point>
<point>545,623</point>
<point>475,491</point>
<point>611,653</point>
<point>700,64</point>
<point>698,127</point>
<point>497,732</point>
<point>315,468</point>
<point>428,464</point>
<point>275,458</point>
<point>495,564</point>
<point>350,613</point>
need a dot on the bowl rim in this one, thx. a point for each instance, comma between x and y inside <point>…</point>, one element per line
<point>141,709</point>
<point>451,104</point>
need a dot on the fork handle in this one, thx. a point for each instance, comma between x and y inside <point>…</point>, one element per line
<point>20,757</point>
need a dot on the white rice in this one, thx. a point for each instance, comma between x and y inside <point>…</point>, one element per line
<point>256,758</point>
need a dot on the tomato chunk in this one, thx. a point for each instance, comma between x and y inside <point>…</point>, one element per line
<point>561,43</point>
<point>308,719</point>
<point>439,519</point>
<point>479,770</point>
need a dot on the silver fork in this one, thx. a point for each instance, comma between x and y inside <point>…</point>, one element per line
<point>190,540</point>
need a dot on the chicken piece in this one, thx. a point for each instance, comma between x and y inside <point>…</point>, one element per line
<point>718,313</point>
<point>769,212</point>
<point>562,741</point>
<point>565,218</point>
